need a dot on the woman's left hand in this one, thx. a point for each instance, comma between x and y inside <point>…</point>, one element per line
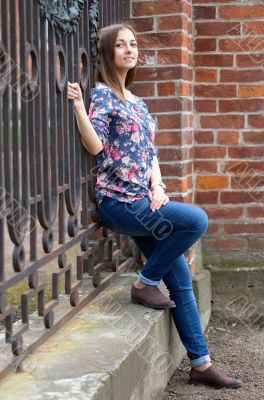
<point>158,198</point>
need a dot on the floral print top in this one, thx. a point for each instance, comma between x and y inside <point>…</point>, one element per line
<point>127,132</point>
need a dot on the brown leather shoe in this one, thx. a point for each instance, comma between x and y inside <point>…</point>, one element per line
<point>151,296</point>
<point>213,377</point>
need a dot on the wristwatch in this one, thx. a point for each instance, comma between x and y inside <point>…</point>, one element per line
<point>159,183</point>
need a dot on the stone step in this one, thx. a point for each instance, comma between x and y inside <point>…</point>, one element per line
<point>238,293</point>
<point>111,350</point>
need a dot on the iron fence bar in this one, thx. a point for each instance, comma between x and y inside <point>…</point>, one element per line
<point>46,170</point>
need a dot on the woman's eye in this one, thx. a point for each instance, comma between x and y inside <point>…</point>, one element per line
<point>121,44</point>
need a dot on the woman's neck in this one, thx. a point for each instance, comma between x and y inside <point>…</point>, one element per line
<point>122,80</point>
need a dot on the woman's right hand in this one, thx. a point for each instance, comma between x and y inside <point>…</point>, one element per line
<point>75,94</point>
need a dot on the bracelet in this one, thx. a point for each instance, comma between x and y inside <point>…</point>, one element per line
<point>159,183</point>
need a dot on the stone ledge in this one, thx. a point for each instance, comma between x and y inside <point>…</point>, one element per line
<point>111,350</point>
<point>238,293</point>
<point>203,292</point>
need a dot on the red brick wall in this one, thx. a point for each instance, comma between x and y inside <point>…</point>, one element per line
<point>202,77</point>
<point>229,135</point>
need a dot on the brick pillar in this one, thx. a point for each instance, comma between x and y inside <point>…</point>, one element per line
<point>229,139</point>
<point>164,80</point>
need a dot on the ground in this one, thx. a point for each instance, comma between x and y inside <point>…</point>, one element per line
<point>238,350</point>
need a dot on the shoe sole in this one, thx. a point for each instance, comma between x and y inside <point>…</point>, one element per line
<point>135,301</point>
<point>196,383</point>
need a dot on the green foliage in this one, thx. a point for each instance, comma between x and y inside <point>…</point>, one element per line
<point>14,293</point>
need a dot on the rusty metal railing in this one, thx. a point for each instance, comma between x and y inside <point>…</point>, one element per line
<point>48,224</point>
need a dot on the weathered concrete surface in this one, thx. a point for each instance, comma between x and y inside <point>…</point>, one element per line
<point>233,258</point>
<point>203,293</point>
<point>238,293</point>
<point>112,350</point>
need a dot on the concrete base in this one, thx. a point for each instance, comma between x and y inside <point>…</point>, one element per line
<point>112,350</point>
<point>238,293</point>
<point>203,293</point>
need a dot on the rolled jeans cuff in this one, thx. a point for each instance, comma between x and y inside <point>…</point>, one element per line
<point>200,361</point>
<point>147,281</point>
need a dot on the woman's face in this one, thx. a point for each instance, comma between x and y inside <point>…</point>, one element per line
<point>126,52</point>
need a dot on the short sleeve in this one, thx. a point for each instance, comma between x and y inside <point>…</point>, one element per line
<point>100,112</point>
<point>155,150</point>
<point>152,128</point>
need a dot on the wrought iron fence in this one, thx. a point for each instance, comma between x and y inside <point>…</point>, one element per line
<point>48,225</point>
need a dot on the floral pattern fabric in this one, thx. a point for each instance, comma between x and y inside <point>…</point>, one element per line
<point>128,134</point>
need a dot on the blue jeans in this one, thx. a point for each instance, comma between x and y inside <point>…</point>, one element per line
<point>163,236</point>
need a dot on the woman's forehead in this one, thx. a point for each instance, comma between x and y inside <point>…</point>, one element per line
<point>125,34</point>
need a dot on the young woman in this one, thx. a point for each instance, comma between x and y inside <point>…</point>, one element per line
<point>131,198</point>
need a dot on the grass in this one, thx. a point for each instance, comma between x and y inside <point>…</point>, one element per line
<point>14,293</point>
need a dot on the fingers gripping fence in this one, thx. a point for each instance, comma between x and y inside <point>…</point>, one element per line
<point>55,257</point>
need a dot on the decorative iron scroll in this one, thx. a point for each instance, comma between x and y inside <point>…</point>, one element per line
<point>94,28</point>
<point>62,17</point>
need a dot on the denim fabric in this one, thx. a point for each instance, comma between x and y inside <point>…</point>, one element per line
<point>163,236</point>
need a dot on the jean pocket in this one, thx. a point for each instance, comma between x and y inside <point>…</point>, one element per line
<point>105,214</point>
<point>108,221</point>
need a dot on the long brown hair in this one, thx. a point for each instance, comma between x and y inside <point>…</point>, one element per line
<point>106,71</point>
